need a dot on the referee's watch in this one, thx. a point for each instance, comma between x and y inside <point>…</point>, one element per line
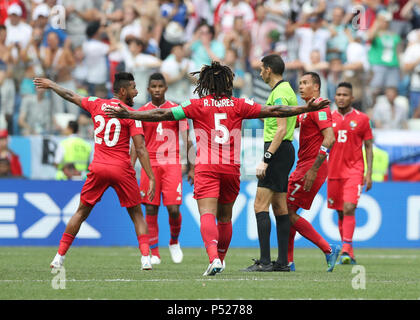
<point>268,156</point>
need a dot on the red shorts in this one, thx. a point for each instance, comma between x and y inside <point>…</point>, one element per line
<point>102,176</point>
<point>344,190</point>
<point>168,184</point>
<point>223,186</point>
<point>299,198</point>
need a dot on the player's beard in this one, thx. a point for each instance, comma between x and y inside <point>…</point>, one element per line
<point>130,102</point>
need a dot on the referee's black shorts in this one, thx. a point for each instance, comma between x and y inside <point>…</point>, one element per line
<point>277,173</point>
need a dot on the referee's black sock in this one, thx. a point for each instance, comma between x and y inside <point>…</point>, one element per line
<point>283,229</point>
<point>264,229</point>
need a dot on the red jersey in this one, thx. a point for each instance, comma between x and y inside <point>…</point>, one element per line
<point>346,157</point>
<point>112,135</point>
<point>162,138</point>
<point>310,139</point>
<point>217,127</point>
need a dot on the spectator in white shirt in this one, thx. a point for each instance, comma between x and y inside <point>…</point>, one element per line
<point>18,32</point>
<point>390,110</point>
<point>175,68</point>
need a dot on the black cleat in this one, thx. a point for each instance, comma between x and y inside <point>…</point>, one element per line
<point>280,268</point>
<point>259,267</point>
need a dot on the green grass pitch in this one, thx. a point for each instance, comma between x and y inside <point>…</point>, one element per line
<point>114,273</point>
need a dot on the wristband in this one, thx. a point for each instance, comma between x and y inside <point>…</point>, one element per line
<point>324,150</point>
<point>267,156</point>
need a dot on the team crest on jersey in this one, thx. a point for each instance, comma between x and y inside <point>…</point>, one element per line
<point>330,201</point>
<point>334,124</point>
<point>249,101</point>
<point>353,124</point>
<point>142,194</point>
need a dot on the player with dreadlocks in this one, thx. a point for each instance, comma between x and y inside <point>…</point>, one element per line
<point>217,119</point>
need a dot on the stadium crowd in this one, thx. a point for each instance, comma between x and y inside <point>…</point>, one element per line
<point>372,44</point>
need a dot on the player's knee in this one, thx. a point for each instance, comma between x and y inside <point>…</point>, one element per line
<point>151,210</point>
<point>349,209</point>
<point>173,211</point>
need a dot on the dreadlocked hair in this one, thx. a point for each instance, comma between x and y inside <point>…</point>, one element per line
<point>216,80</point>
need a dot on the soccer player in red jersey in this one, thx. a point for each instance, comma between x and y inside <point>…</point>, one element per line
<point>162,143</point>
<point>217,120</point>
<point>316,138</point>
<point>346,175</point>
<point>111,165</point>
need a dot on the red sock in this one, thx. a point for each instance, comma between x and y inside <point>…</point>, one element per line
<point>152,225</point>
<point>65,243</point>
<point>349,224</point>
<point>210,235</point>
<point>305,229</point>
<point>340,228</point>
<point>175,228</point>
<point>225,235</point>
<point>144,244</point>
<point>291,246</point>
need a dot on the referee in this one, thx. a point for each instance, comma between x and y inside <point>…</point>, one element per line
<point>273,171</point>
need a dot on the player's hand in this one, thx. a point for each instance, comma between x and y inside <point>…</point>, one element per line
<point>152,188</point>
<point>190,176</point>
<point>261,170</point>
<point>367,181</point>
<point>311,105</point>
<point>309,179</point>
<point>119,112</point>
<point>43,83</point>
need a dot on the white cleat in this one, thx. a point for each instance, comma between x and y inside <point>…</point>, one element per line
<point>146,263</point>
<point>57,262</point>
<point>155,260</point>
<point>176,253</point>
<point>213,268</point>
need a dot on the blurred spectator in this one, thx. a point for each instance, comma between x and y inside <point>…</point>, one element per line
<point>35,114</point>
<point>356,68</point>
<point>40,17</point>
<point>7,86</point>
<point>278,11</point>
<point>18,31</point>
<point>304,10</point>
<point>383,54</point>
<point>5,4</point>
<point>201,11</point>
<point>175,68</point>
<point>80,70</point>
<point>11,166</point>
<point>5,169</point>
<point>231,60</point>
<point>320,67</point>
<point>175,11</point>
<point>411,65</point>
<point>260,29</point>
<point>72,150</point>
<point>59,64</point>
<point>95,52</point>
<point>399,24</point>
<point>79,14</point>
<point>227,11</point>
<point>238,39</point>
<point>203,47</point>
<point>345,5</point>
<point>411,12</point>
<point>390,110</point>
<point>337,44</point>
<point>313,37</point>
<point>142,65</point>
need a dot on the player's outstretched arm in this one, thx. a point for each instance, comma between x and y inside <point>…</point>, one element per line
<point>367,181</point>
<point>44,83</point>
<point>154,115</point>
<point>281,111</point>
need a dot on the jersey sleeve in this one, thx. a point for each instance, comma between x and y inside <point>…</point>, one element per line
<point>187,109</point>
<point>322,118</point>
<point>249,109</point>
<point>367,132</point>
<point>88,103</point>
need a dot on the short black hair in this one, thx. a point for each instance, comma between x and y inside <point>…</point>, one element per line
<point>92,28</point>
<point>122,80</point>
<point>3,27</point>
<point>274,62</point>
<point>344,84</point>
<point>74,126</point>
<point>157,76</point>
<point>315,78</point>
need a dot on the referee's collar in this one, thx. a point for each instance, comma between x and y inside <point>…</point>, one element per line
<point>278,83</point>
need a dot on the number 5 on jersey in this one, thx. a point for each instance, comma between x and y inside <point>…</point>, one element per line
<point>220,127</point>
<point>342,136</point>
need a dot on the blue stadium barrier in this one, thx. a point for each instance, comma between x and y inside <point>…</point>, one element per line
<point>35,213</point>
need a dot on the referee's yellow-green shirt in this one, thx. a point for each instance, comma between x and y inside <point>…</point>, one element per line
<point>282,94</point>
